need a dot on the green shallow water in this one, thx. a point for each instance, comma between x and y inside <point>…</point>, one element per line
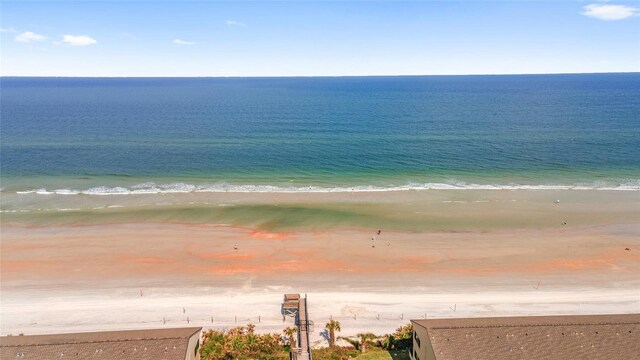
<point>448,211</point>
<point>281,217</point>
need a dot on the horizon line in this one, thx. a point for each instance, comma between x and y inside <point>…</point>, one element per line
<point>311,76</point>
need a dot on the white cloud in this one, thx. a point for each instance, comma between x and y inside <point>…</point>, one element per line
<point>9,30</point>
<point>609,12</point>
<point>79,40</point>
<point>183,42</point>
<point>235,23</point>
<point>29,36</point>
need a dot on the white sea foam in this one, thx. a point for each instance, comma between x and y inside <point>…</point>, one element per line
<point>183,188</point>
<point>103,190</point>
<point>25,192</point>
<point>66,192</point>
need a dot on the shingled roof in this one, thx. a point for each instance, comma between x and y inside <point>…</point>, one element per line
<point>535,337</point>
<point>134,344</point>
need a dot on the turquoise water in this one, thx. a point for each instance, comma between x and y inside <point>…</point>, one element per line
<point>93,136</point>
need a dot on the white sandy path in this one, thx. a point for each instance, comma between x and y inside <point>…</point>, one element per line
<point>40,312</point>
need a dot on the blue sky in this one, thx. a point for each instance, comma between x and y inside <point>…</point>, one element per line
<point>303,38</point>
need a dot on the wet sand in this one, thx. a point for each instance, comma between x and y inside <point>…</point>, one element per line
<point>198,255</point>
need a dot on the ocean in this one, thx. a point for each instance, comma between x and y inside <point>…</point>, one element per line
<point>92,137</point>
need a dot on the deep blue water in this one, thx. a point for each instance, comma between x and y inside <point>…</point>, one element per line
<point>80,133</point>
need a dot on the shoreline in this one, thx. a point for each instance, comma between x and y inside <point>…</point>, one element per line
<point>412,211</point>
<point>183,188</point>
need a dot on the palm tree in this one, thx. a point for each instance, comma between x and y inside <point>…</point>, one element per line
<point>290,332</point>
<point>332,326</point>
<point>387,342</point>
<point>364,340</point>
<point>353,342</point>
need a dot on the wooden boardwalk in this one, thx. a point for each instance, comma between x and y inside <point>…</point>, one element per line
<point>296,307</point>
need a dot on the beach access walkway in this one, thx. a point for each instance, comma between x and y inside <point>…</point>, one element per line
<point>296,307</point>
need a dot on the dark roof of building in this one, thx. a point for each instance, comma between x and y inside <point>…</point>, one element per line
<point>535,337</point>
<point>133,344</point>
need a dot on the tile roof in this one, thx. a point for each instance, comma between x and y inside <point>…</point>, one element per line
<point>134,344</point>
<point>535,337</point>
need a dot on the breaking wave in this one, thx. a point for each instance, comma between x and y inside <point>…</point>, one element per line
<point>182,188</point>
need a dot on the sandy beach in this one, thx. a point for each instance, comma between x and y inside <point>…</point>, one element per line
<point>478,253</point>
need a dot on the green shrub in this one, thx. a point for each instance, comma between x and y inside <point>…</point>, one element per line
<point>241,343</point>
<point>335,353</point>
<point>401,339</point>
